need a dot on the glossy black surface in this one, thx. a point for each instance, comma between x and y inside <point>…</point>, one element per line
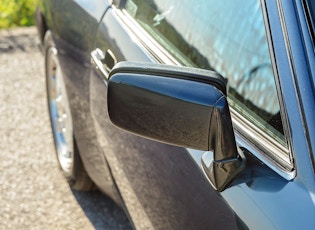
<point>163,186</point>
<point>164,108</point>
<point>171,105</point>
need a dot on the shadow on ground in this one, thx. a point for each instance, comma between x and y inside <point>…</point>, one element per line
<point>102,211</point>
<point>33,194</point>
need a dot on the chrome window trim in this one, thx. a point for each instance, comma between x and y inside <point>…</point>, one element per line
<point>275,165</point>
<point>284,116</point>
<point>272,153</point>
<point>153,47</point>
<point>267,147</point>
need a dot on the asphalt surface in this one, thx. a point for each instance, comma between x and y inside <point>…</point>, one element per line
<point>33,192</point>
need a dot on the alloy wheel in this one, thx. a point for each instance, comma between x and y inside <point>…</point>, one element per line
<point>59,110</point>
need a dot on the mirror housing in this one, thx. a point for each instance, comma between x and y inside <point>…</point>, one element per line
<point>181,106</point>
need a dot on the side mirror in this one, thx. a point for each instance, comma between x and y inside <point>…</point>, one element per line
<point>177,105</point>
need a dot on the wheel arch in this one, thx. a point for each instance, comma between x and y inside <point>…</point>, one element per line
<point>41,25</point>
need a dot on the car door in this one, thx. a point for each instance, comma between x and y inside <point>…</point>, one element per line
<point>164,186</point>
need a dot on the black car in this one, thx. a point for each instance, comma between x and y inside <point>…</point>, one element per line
<point>189,114</point>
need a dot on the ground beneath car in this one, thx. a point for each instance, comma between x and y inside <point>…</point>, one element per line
<point>33,193</point>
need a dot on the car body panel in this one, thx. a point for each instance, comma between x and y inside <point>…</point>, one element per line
<point>152,193</point>
<point>272,186</point>
<point>302,62</point>
<point>163,186</point>
<point>295,83</point>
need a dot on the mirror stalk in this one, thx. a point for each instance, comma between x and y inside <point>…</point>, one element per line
<point>227,161</point>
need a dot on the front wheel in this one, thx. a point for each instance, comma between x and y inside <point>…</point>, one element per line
<point>61,121</point>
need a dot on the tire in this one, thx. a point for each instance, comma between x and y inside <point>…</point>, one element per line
<point>61,121</point>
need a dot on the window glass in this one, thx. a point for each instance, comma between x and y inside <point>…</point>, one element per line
<point>227,37</point>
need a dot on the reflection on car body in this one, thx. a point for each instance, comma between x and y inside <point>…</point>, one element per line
<point>190,115</point>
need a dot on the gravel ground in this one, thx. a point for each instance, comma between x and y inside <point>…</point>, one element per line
<point>33,192</point>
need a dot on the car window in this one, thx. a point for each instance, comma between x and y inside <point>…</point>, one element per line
<point>227,37</point>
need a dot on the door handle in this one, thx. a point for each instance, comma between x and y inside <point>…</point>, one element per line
<point>103,62</point>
